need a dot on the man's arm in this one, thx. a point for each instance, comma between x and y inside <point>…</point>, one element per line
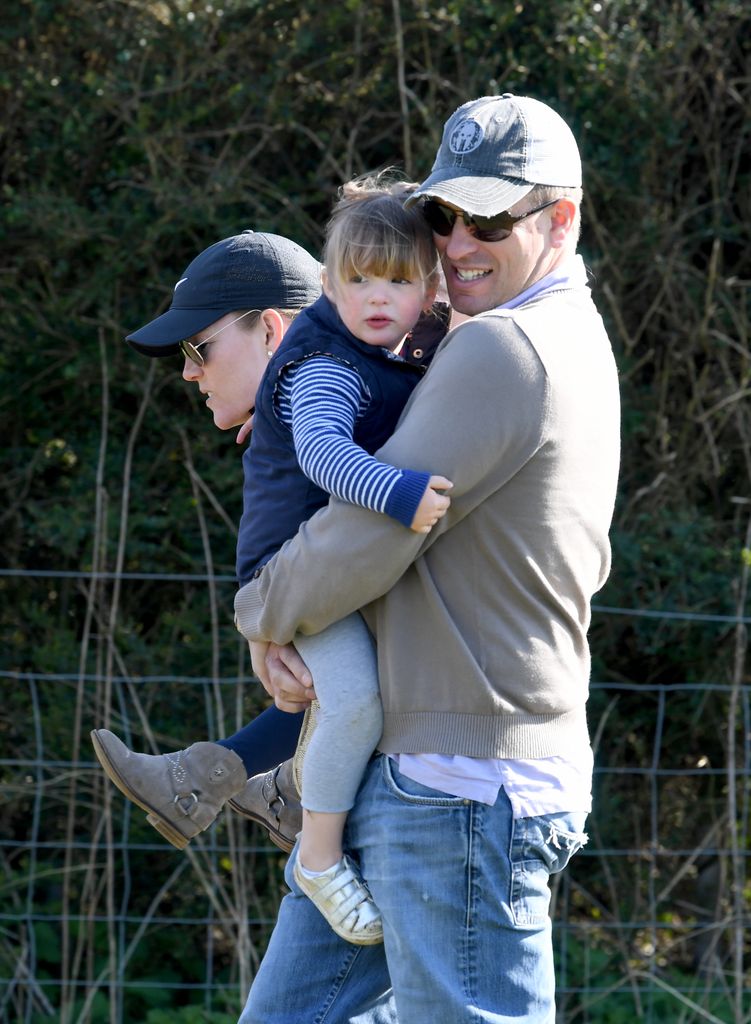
<point>477,417</point>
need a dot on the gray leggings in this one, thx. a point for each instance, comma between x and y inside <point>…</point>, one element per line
<point>342,661</point>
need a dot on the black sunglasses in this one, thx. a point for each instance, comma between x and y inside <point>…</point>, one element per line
<point>486,229</point>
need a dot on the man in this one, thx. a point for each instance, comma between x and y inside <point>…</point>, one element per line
<point>483,779</point>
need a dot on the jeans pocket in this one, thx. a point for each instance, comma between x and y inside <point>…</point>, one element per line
<point>412,792</point>
<point>540,847</point>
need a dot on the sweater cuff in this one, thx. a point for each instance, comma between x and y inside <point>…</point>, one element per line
<point>406,495</point>
<point>248,610</point>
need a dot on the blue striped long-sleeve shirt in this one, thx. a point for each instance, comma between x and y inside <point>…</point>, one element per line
<point>321,400</point>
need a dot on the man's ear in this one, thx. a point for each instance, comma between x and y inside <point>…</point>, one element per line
<point>562,221</point>
<point>275,326</point>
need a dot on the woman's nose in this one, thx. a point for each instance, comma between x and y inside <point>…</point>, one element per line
<point>191,370</point>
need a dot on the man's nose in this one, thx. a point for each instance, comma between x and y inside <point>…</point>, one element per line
<point>461,241</point>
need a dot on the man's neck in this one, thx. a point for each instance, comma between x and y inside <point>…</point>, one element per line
<point>568,273</point>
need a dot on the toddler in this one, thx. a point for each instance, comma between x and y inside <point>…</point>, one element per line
<point>332,394</point>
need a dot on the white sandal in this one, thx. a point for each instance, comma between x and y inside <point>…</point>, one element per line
<point>343,899</point>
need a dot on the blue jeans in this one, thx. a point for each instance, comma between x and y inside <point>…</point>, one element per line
<point>463,890</point>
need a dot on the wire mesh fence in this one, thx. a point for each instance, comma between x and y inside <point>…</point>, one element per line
<point>101,920</point>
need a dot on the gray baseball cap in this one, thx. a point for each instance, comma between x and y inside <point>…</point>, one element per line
<point>496,149</point>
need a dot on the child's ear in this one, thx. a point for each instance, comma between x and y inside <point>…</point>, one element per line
<point>328,290</point>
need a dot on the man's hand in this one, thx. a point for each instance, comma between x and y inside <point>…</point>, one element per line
<point>433,506</point>
<point>283,674</point>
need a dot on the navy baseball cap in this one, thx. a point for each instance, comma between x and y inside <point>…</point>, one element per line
<point>495,149</point>
<point>252,270</point>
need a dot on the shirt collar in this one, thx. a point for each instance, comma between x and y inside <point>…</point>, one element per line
<point>571,274</point>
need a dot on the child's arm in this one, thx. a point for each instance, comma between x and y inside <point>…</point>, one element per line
<point>321,400</point>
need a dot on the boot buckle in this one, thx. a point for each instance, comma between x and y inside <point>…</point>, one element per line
<point>179,797</point>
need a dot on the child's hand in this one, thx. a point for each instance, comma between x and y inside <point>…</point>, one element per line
<point>433,506</point>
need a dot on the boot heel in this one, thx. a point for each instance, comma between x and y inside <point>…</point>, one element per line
<point>175,838</point>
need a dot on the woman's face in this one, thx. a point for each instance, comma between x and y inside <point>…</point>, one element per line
<point>234,362</point>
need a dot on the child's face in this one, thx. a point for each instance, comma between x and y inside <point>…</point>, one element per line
<point>379,310</point>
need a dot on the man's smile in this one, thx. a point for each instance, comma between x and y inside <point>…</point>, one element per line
<point>470,275</point>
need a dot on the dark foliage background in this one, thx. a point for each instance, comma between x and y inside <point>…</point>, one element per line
<point>134,134</point>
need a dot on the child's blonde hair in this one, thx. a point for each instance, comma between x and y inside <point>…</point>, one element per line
<point>371,233</point>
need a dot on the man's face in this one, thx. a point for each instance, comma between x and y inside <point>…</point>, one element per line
<point>483,275</point>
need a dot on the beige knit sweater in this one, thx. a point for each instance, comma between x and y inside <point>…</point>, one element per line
<point>482,625</point>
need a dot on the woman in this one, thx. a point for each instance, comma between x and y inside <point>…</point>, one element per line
<point>229,311</point>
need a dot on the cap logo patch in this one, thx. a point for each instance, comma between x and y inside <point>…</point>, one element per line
<point>467,136</point>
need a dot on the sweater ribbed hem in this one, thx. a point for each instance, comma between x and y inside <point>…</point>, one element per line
<point>493,735</point>
<point>406,495</point>
<point>248,609</point>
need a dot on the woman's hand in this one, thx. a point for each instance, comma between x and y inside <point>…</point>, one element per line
<point>245,429</point>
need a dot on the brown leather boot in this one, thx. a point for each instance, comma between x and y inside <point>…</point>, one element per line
<point>272,801</point>
<point>181,792</point>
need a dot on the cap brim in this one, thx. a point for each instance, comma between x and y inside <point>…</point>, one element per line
<point>481,196</point>
<point>162,336</point>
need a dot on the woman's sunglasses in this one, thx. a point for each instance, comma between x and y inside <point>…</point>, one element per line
<point>191,350</point>
<point>486,229</point>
